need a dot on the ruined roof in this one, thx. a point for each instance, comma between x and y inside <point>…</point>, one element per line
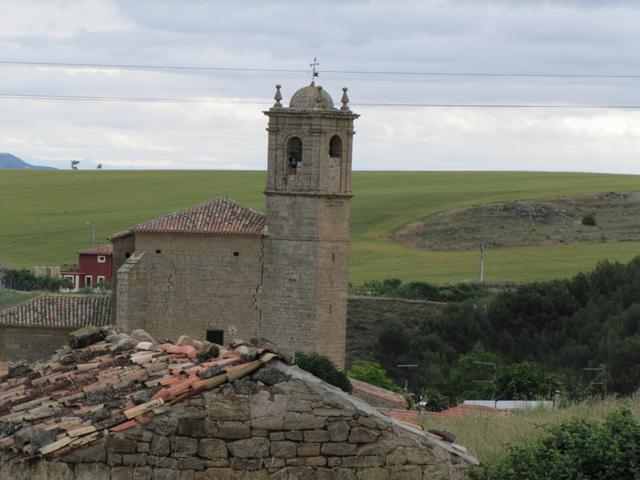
<point>98,250</point>
<point>110,385</point>
<point>218,216</point>
<point>59,311</point>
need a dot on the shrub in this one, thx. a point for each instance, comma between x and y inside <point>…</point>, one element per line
<point>589,219</point>
<point>324,369</point>
<point>373,373</point>
<point>577,449</point>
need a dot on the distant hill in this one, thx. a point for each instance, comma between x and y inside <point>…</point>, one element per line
<point>8,160</point>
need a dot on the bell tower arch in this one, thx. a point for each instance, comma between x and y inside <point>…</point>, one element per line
<point>306,247</point>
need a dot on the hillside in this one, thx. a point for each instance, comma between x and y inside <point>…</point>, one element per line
<point>43,215</point>
<point>8,160</point>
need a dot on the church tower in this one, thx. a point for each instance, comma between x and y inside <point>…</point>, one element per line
<point>306,245</point>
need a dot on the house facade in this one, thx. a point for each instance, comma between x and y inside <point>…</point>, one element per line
<point>222,271</point>
<point>94,269</point>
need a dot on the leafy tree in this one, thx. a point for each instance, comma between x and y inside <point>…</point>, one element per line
<point>576,449</point>
<point>373,373</point>
<point>323,368</point>
<point>525,381</point>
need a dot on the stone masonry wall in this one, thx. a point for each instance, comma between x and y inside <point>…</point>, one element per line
<point>188,284</point>
<point>282,423</point>
<point>29,343</point>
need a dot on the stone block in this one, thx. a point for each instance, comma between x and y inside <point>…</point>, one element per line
<point>143,447</point>
<point>249,448</point>
<point>419,456</point>
<point>373,474</point>
<point>303,421</point>
<point>334,461</point>
<point>276,436</point>
<point>284,449</point>
<point>92,454</point>
<point>317,436</point>
<point>406,472</point>
<point>187,475</point>
<point>191,463</point>
<point>184,446</point>
<point>191,427</point>
<point>362,462</point>
<point>268,410</point>
<point>363,435</point>
<point>338,431</point>
<point>165,474</point>
<point>317,461</point>
<point>160,445</point>
<point>121,473</point>
<point>142,473</point>
<point>134,458</point>
<point>229,430</point>
<point>120,445</point>
<point>308,449</point>
<point>296,436</point>
<point>92,471</point>
<point>212,448</point>
<point>338,449</point>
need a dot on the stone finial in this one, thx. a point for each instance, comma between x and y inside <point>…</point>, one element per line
<point>344,99</point>
<point>319,96</point>
<point>277,97</point>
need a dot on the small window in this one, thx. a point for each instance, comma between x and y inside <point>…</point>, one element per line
<point>236,254</point>
<point>127,255</point>
<point>215,336</point>
<point>88,281</point>
<point>158,252</point>
<point>335,147</point>
<point>100,280</point>
<point>333,257</point>
<point>102,259</point>
<point>294,155</point>
<point>330,308</point>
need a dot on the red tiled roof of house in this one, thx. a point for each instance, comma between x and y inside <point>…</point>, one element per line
<point>106,249</point>
<point>377,396</point>
<point>219,216</point>
<point>107,384</point>
<point>59,311</point>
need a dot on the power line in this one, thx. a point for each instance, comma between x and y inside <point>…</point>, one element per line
<point>127,66</point>
<point>83,98</point>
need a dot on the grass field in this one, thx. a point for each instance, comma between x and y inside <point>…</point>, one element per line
<point>489,437</point>
<point>10,298</point>
<point>43,214</point>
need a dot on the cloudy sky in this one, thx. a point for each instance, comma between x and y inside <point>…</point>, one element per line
<point>511,37</point>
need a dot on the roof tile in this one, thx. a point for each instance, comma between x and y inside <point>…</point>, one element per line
<point>218,216</point>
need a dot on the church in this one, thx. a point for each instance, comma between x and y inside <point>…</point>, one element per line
<point>222,271</point>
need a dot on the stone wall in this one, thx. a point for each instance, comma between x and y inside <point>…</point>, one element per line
<point>30,343</point>
<point>281,423</point>
<point>179,284</point>
<point>124,245</point>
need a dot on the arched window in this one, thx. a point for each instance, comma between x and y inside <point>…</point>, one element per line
<point>294,155</point>
<point>335,146</point>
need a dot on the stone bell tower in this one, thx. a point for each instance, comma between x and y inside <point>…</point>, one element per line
<point>306,245</point>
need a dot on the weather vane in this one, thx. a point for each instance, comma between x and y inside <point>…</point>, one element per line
<point>314,72</point>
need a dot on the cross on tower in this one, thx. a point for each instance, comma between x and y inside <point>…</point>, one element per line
<point>314,72</point>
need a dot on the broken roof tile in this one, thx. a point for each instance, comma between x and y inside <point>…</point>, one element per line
<point>66,394</point>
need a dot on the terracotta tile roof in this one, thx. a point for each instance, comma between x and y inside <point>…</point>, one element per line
<point>377,396</point>
<point>59,311</point>
<point>219,216</point>
<point>106,249</point>
<point>79,395</point>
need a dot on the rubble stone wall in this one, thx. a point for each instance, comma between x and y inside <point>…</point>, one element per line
<point>281,423</point>
<point>188,284</point>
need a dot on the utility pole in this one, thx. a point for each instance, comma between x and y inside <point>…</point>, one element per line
<point>602,373</point>
<point>482,263</point>
<point>494,381</point>
<point>93,233</point>
<point>406,380</point>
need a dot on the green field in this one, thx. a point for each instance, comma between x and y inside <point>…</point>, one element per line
<point>43,214</point>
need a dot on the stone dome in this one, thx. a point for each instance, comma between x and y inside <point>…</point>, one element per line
<point>311,98</point>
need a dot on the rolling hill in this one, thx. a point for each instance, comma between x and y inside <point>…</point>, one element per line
<point>43,214</point>
<point>9,161</point>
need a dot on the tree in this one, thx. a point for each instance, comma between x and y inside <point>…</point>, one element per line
<point>373,373</point>
<point>323,368</point>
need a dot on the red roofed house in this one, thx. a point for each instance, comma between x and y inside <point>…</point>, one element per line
<point>94,268</point>
<point>221,270</point>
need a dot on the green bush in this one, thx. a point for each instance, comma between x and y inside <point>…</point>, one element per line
<point>373,373</point>
<point>26,281</point>
<point>589,220</point>
<point>577,449</point>
<point>324,369</point>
